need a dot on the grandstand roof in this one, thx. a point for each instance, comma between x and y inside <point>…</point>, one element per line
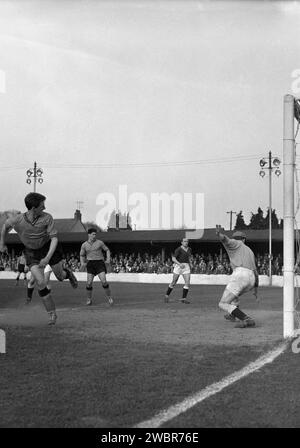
<point>69,234</point>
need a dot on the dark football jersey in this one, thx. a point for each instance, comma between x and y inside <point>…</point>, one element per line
<point>183,256</point>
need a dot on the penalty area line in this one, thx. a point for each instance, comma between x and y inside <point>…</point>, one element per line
<point>179,408</point>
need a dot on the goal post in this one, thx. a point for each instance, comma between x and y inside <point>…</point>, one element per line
<point>289,217</point>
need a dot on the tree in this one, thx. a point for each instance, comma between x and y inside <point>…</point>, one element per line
<point>7,214</point>
<point>257,220</point>
<point>91,224</point>
<point>240,222</point>
<point>274,220</point>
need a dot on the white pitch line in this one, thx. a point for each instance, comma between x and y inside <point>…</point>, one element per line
<point>173,411</point>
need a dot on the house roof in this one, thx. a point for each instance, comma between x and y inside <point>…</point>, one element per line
<point>69,225</point>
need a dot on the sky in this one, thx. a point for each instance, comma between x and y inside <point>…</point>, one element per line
<point>160,96</point>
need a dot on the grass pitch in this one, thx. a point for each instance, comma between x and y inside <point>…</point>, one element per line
<point>112,367</point>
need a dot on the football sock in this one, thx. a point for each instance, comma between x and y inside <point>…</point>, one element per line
<point>169,291</point>
<point>89,292</point>
<point>48,303</point>
<point>67,274</point>
<point>107,289</point>
<point>185,292</point>
<point>239,314</point>
<point>30,292</point>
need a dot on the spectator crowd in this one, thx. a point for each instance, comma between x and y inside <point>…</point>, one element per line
<point>149,263</point>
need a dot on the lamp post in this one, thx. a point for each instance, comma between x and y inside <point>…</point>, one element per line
<point>270,163</point>
<point>36,174</point>
<point>231,213</point>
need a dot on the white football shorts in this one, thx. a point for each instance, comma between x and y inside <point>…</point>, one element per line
<point>241,281</point>
<point>180,271</point>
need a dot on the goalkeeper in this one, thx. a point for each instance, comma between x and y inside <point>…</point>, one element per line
<point>243,279</point>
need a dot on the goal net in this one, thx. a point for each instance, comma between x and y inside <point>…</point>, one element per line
<point>291,232</point>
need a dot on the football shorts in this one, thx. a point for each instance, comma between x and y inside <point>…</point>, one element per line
<point>241,280</point>
<point>34,256</point>
<point>95,267</point>
<point>180,271</point>
<point>21,268</point>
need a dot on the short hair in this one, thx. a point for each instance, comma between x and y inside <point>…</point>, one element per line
<point>33,200</point>
<point>92,230</point>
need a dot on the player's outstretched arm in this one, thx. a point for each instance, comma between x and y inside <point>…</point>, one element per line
<point>7,221</point>
<point>83,264</point>
<point>83,260</point>
<point>107,255</point>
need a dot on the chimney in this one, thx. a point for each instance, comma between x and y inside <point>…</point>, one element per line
<point>77,215</point>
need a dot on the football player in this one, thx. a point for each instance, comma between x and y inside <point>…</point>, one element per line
<point>181,260</point>
<point>244,277</point>
<point>92,258</point>
<point>22,268</point>
<point>39,236</point>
